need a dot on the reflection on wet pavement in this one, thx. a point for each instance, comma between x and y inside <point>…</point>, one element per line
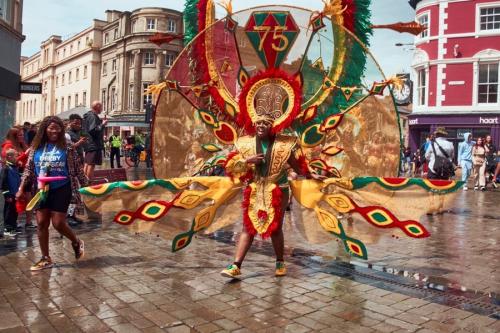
<point>446,282</point>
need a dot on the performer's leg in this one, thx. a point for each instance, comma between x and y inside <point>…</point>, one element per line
<point>244,244</point>
<point>278,244</point>
<point>242,248</point>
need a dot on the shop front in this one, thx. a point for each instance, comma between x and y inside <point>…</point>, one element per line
<point>480,125</point>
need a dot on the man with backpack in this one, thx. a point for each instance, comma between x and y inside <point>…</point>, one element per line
<point>440,154</point>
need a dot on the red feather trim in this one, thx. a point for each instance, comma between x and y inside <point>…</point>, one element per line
<point>247,224</point>
<point>303,165</point>
<point>199,50</point>
<point>244,119</point>
<point>349,14</point>
<point>277,196</point>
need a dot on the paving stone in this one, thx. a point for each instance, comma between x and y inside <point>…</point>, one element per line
<point>125,328</point>
<point>152,291</point>
<point>9,320</point>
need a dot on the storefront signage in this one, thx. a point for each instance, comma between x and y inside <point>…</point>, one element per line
<point>488,121</point>
<point>30,88</point>
<point>456,83</point>
<point>413,122</point>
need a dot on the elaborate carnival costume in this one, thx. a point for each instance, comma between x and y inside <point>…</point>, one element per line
<point>307,74</point>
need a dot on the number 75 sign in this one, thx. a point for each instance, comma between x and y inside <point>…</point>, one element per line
<point>271,34</point>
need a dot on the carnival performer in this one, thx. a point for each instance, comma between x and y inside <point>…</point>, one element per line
<point>275,110</point>
<point>262,163</point>
<point>51,155</point>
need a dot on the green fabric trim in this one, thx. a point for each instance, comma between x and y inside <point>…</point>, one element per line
<point>360,182</point>
<point>166,184</point>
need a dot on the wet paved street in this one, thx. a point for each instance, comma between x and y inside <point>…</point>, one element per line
<point>132,282</point>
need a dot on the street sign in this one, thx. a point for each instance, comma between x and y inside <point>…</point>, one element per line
<point>30,88</point>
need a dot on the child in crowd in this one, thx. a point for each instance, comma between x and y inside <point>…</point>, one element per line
<point>10,180</point>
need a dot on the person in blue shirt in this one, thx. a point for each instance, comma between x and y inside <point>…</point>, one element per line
<point>10,181</point>
<point>465,157</point>
<point>51,156</point>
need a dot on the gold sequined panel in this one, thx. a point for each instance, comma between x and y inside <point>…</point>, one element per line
<point>260,200</point>
<point>246,146</point>
<point>282,148</point>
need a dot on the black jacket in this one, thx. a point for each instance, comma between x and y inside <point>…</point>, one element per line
<point>92,125</point>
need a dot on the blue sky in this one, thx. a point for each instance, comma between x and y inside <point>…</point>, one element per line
<point>42,19</point>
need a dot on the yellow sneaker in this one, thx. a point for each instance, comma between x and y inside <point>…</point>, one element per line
<point>231,271</point>
<point>280,268</point>
<point>43,263</point>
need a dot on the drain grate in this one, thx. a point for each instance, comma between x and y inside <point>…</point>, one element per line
<point>476,302</point>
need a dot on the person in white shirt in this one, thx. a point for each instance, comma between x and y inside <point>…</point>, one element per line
<point>440,147</point>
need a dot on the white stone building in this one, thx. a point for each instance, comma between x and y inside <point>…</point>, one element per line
<point>112,61</point>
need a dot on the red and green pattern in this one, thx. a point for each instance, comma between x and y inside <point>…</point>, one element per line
<point>182,240</point>
<point>383,218</point>
<point>395,184</point>
<point>331,224</point>
<point>104,189</point>
<point>272,34</point>
<point>149,211</point>
<point>376,215</point>
<point>312,136</point>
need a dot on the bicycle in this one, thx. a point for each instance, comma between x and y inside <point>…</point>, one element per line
<point>131,157</point>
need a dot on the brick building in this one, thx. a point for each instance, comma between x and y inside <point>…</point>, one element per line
<point>456,69</point>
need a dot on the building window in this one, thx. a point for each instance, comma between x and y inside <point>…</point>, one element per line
<point>106,38</point>
<point>131,96</point>
<point>76,100</point>
<point>171,26</point>
<point>113,98</point>
<point>489,18</point>
<point>5,10</point>
<point>78,45</point>
<point>103,99</point>
<point>134,25</point>
<point>57,81</point>
<point>421,87</point>
<point>85,71</point>
<point>488,83</point>
<point>150,24</point>
<point>77,74</point>
<point>149,58</point>
<point>424,20</point>
<point>169,59</point>
<point>69,102</point>
<point>105,68</point>
<point>115,34</point>
<point>69,77</point>
<point>113,66</point>
<point>57,103</point>
<point>64,53</point>
<point>147,98</point>
<point>131,60</point>
<point>58,55</point>
<point>62,80</point>
<point>62,104</point>
<point>84,98</point>
<point>71,49</point>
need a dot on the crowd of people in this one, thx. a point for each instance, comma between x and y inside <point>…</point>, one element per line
<point>66,151</point>
<point>477,158</point>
